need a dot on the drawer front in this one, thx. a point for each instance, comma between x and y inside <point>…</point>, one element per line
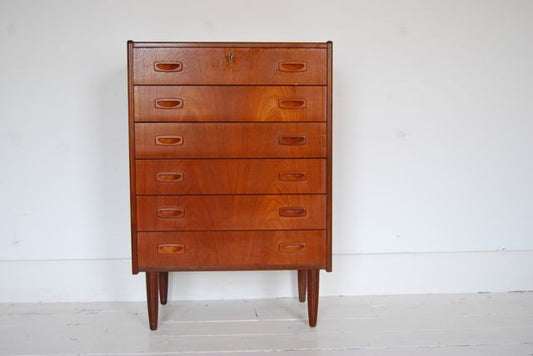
<point>212,249</point>
<point>230,176</point>
<point>229,103</point>
<point>225,140</point>
<point>231,212</point>
<point>229,66</point>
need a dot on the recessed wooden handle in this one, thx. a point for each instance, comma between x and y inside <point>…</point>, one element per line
<point>168,66</point>
<point>169,177</point>
<point>170,249</point>
<point>292,176</point>
<point>292,212</point>
<point>292,140</point>
<point>170,213</point>
<point>292,103</point>
<point>291,247</point>
<point>289,66</point>
<point>169,103</point>
<point>169,140</point>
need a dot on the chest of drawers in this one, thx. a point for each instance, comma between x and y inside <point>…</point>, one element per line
<point>230,161</point>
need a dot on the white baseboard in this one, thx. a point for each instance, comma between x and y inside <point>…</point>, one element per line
<point>358,274</point>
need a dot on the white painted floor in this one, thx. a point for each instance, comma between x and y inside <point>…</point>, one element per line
<point>469,324</point>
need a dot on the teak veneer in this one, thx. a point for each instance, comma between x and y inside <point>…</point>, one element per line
<point>230,161</point>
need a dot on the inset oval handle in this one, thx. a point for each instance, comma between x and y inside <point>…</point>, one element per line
<point>292,212</point>
<point>169,140</point>
<point>292,140</point>
<point>169,177</point>
<point>170,249</point>
<point>291,247</point>
<point>289,66</point>
<point>170,213</point>
<point>168,66</point>
<point>292,176</point>
<point>292,103</point>
<point>168,103</point>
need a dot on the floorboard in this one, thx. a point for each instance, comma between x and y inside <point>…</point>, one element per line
<point>469,324</point>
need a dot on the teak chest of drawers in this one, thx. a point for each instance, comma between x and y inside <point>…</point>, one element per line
<point>230,160</point>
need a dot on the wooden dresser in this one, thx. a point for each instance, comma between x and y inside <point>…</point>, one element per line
<point>230,160</point>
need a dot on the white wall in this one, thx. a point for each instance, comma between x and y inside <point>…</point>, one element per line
<point>433,128</point>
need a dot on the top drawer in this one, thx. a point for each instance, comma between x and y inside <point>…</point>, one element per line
<point>258,66</point>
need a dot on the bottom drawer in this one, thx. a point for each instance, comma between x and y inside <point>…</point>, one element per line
<point>217,250</point>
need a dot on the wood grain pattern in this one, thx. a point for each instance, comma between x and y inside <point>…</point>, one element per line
<point>231,176</point>
<point>251,66</point>
<point>231,140</point>
<point>230,212</point>
<point>229,103</point>
<point>232,249</point>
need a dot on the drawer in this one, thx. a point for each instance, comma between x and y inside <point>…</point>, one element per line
<point>231,212</point>
<point>230,140</point>
<point>230,176</point>
<point>229,66</point>
<point>237,249</point>
<point>229,103</point>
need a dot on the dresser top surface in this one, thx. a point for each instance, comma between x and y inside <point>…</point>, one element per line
<point>229,44</point>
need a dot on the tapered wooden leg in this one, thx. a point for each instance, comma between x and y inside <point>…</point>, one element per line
<point>302,285</point>
<point>152,297</point>
<point>163,287</point>
<point>312,295</point>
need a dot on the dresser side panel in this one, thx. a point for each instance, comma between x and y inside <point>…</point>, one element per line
<point>131,143</point>
<point>329,160</point>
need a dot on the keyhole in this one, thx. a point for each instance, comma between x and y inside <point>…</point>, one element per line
<point>230,57</point>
